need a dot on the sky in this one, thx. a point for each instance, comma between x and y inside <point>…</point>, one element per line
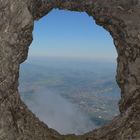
<point>67,34</point>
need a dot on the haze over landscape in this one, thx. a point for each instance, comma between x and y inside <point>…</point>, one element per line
<point>68,80</point>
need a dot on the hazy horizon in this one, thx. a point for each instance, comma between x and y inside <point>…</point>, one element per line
<point>62,58</point>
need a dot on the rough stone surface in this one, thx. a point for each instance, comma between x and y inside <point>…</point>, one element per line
<point>120,17</point>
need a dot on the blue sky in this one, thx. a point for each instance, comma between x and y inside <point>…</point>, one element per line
<point>72,35</point>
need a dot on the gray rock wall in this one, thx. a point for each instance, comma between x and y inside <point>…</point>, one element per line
<point>120,17</point>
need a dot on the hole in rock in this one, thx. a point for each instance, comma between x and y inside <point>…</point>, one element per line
<point>68,80</point>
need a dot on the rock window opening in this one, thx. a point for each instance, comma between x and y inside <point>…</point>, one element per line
<point>68,80</point>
